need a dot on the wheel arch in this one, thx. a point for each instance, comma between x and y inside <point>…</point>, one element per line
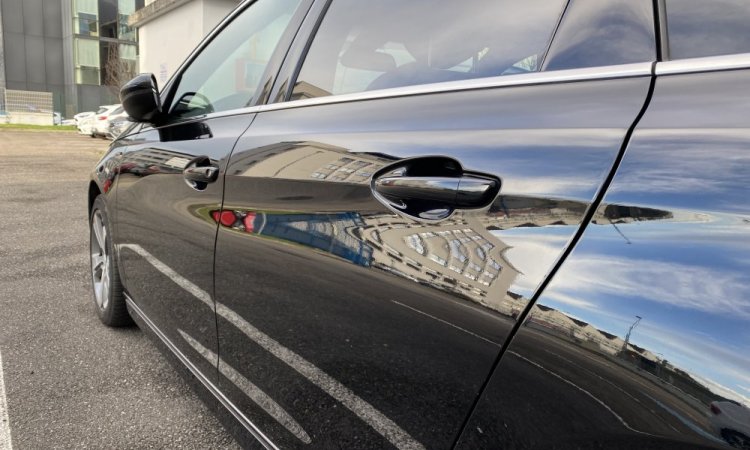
<point>94,192</point>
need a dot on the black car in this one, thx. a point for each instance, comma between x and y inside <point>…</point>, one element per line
<point>434,224</point>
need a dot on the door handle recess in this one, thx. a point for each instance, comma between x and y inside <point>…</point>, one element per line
<point>199,172</point>
<point>409,188</point>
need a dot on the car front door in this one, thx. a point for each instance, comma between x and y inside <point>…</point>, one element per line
<point>171,178</point>
<point>364,286</point>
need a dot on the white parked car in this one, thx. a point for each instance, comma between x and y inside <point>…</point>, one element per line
<point>86,125</point>
<point>82,115</point>
<point>731,421</point>
<point>85,120</point>
<point>101,120</point>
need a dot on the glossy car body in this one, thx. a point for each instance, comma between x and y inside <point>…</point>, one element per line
<point>600,300</point>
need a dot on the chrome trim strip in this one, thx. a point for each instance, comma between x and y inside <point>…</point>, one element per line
<point>707,64</point>
<point>524,79</point>
<point>250,426</point>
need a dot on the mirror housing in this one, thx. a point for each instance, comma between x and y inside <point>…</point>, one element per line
<point>140,98</point>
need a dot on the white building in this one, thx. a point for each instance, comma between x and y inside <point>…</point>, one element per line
<point>168,30</point>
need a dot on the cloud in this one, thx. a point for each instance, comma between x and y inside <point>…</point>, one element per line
<point>569,300</point>
<point>533,254</point>
<point>667,162</point>
<point>722,390</point>
<point>686,286</point>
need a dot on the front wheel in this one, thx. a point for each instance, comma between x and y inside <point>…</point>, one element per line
<point>105,278</point>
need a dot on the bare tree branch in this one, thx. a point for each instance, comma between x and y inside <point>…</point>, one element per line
<point>117,71</point>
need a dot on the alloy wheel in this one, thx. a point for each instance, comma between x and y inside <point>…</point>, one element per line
<point>100,261</point>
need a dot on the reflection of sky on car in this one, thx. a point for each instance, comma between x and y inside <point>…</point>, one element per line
<point>532,251</point>
<point>689,282</point>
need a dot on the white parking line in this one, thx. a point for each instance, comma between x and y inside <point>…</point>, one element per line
<point>371,416</point>
<point>362,409</point>
<point>447,323</point>
<point>565,380</point>
<point>592,396</point>
<point>5,442</point>
<point>253,392</point>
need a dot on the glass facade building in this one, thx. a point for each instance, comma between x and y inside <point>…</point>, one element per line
<point>80,50</point>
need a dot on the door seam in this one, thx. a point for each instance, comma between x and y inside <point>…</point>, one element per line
<point>570,246</point>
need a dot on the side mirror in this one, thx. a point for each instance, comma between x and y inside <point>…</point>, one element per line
<point>140,98</point>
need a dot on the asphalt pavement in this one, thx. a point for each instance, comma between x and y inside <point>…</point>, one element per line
<point>71,382</point>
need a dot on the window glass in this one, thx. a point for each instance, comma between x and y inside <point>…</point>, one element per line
<point>228,71</point>
<point>108,18</point>
<point>86,55</point>
<point>604,33</point>
<point>698,28</point>
<point>85,20</point>
<point>124,9</point>
<point>363,45</point>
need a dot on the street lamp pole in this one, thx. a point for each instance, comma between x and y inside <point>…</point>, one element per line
<point>627,336</point>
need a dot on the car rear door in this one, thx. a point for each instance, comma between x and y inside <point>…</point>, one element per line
<point>353,315</point>
<point>641,340</point>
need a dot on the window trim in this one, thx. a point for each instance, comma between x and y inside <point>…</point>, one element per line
<point>661,30</point>
<point>719,63</point>
<point>292,64</point>
<point>501,81</point>
<point>644,69</point>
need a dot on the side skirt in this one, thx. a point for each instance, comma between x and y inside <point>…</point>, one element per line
<point>140,317</point>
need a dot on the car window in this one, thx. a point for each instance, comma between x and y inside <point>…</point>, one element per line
<point>698,28</point>
<point>362,45</point>
<point>603,33</point>
<point>228,71</point>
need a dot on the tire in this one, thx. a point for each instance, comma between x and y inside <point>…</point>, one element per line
<point>107,291</point>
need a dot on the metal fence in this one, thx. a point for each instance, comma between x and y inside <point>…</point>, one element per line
<point>28,107</point>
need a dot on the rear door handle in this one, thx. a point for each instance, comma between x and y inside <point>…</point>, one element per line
<point>408,188</point>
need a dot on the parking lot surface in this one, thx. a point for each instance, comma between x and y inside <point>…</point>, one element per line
<point>71,382</point>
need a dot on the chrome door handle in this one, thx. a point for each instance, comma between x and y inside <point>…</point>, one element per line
<point>408,188</point>
<point>463,192</point>
<point>206,174</point>
<point>199,172</point>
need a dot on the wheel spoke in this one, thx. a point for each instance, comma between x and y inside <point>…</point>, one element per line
<point>98,292</point>
<point>97,262</point>
<point>105,292</point>
<point>99,231</point>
